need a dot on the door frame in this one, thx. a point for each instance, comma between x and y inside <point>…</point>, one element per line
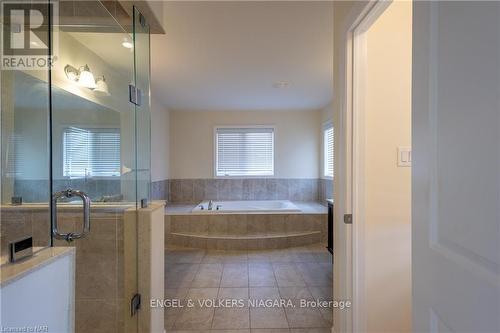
<point>353,113</point>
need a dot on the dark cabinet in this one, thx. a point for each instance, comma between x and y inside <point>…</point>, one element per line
<point>330,226</point>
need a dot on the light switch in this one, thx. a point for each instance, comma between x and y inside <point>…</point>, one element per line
<point>404,156</point>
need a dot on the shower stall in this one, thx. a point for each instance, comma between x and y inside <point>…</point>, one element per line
<point>75,153</point>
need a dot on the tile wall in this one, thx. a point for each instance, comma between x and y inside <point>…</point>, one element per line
<point>33,190</point>
<point>325,190</point>
<point>101,303</point>
<point>160,190</point>
<point>196,190</point>
<point>18,222</point>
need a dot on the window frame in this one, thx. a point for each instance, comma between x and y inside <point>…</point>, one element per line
<point>214,155</point>
<point>326,126</point>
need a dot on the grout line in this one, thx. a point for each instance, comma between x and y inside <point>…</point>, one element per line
<point>279,294</point>
<point>218,292</point>
<point>247,264</point>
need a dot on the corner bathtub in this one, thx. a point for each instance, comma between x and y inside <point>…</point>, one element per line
<point>246,225</point>
<point>247,207</point>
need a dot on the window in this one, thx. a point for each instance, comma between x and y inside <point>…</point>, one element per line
<point>244,151</point>
<point>328,153</point>
<point>91,152</point>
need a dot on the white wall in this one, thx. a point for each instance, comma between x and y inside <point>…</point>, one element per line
<point>345,12</point>
<point>42,297</point>
<point>297,144</point>
<point>160,140</point>
<point>387,186</point>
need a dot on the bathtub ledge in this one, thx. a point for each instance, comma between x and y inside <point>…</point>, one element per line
<point>307,207</point>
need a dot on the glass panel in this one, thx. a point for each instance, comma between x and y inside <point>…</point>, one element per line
<point>24,158</point>
<point>93,150</point>
<point>143,121</point>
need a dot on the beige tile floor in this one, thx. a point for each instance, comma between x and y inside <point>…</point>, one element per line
<point>295,273</point>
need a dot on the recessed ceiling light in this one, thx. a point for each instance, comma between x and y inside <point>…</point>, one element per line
<point>127,44</point>
<point>281,84</point>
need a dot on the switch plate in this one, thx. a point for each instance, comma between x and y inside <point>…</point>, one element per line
<point>404,156</point>
<point>21,249</point>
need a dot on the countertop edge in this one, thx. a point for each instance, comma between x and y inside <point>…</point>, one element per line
<point>11,272</point>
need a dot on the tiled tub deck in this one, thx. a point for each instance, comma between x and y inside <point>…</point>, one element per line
<point>246,231</point>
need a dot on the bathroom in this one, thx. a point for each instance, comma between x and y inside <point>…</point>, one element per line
<point>156,160</point>
<point>249,166</point>
<point>250,161</point>
<point>247,237</point>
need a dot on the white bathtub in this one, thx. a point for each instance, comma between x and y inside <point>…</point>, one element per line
<point>248,206</point>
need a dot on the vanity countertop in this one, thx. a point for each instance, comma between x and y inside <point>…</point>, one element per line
<point>10,272</point>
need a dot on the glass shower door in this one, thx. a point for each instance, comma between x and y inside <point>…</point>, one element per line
<point>25,191</point>
<point>143,118</point>
<point>94,138</point>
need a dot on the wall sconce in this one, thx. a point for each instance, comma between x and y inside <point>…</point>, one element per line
<point>127,44</point>
<point>101,86</point>
<point>83,76</point>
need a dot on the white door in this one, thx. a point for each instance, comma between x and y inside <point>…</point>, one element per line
<point>456,167</point>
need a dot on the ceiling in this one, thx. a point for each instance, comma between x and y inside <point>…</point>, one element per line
<point>229,55</point>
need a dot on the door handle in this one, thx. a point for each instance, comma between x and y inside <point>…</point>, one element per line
<point>70,236</point>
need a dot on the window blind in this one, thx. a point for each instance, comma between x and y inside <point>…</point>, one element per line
<point>91,152</point>
<point>244,151</point>
<point>328,145</point>
<point>16,157</point>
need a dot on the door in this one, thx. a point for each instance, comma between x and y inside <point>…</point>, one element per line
<point>93,141</point>
<point>456,163</point>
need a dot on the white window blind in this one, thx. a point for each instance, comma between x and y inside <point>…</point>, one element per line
<point>91,152</point>
<point>247,151</point>
<point>328,156</point>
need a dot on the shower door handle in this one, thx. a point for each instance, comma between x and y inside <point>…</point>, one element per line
<point>69,193</point>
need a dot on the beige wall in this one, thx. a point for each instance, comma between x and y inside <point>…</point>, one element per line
<point>388,285</point>
<point>297,144</point>
<point>387,186</point>
<point>160,140</point>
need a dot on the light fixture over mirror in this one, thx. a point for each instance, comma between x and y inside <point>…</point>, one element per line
<point>71,73</point>
<point>127,43</point>
<point>86,78</point>
<point>101,86</point>
<point>83,76</point>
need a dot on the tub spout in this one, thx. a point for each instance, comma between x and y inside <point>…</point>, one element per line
<point>210,204</point>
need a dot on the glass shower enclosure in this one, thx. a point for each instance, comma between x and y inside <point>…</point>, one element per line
<point>75,155</point>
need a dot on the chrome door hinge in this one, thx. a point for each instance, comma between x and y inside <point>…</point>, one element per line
<point>142,20</point>
<point>348,218</point>
<point>135,304</point>
<point>135,95</point>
